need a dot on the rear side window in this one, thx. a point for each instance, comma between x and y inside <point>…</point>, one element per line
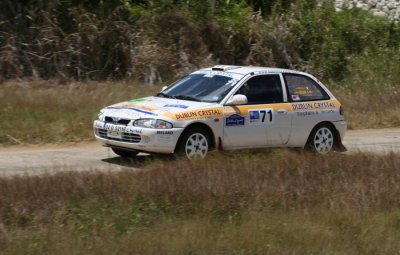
<point>302,88</point>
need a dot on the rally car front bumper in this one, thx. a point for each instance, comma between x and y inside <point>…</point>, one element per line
<point>137,138</point>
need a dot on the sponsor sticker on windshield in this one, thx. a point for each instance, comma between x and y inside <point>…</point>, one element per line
<point>295,97</point>
<point>221,73</point>
<point>232,82</point>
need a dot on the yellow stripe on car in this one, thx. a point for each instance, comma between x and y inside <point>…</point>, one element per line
<point>195,114</point>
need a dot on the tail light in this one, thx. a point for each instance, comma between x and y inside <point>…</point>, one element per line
<point>341,110</point>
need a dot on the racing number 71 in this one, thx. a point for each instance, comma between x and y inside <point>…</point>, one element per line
<point>263,112</point>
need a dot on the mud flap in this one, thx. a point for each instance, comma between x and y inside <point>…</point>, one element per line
<point>338,143</point>
<point>220,146</point>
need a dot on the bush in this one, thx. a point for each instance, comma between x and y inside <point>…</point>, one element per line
<point>375,73</point>
<point>154,42</point>
<point>328,39</point>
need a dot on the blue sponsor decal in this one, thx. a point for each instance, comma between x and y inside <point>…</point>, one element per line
<point>138,110</point>
<point>254,115</point>
<point>235,120</point>
<point>176,106</point>
<point>134,130</point>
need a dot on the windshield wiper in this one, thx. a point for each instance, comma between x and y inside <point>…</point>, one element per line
<point>161,94</point>
<point>185,97</point>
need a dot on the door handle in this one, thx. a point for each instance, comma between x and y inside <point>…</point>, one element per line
<point>281,111</point>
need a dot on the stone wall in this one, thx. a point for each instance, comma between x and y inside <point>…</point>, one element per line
<point>388,8</point>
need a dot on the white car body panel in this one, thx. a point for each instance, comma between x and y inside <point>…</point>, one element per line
<point>233,127</point>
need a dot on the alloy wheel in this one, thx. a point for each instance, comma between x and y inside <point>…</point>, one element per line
<point>196,146</point>
<point>323,140</point>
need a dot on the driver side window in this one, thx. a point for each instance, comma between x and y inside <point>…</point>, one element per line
<point>263,89</point>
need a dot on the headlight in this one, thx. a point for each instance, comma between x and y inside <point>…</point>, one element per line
<point>101,116</point>
<point>152,123</point>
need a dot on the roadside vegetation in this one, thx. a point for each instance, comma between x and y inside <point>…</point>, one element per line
<point>371,90</point>
<point>61,61</point>
<point>46,112</point>
<point>267,201</point>
<point>35,112</point>
<point>157,41</point>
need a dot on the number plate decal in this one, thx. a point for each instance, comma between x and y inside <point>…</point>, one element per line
<point>112,127</point>
<point>114,134</point>
<point>114,131</point>
<point>261,116</point>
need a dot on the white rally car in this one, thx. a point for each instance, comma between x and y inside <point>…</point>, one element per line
<point>227,107</point>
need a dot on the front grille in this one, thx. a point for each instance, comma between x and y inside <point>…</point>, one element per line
<point>126,137</point>
<point>102,133</point>
<point>116,121</point>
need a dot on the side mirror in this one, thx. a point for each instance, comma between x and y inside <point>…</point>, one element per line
<point>164,88</point>
<point>237,100</point>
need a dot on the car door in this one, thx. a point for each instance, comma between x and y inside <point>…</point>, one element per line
<point>309,104</point>
<point>264,120</point>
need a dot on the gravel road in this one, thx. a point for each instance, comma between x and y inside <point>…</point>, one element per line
<point>92,156</point>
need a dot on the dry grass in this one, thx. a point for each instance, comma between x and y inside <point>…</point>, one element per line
<point>314,232</point>
<point>276,179</point>
<point>278,201</point>
<point>364,110</point>
<point>47,112</point>
<point>371,90</point>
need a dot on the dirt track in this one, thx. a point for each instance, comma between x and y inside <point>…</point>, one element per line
<point>87,156</point>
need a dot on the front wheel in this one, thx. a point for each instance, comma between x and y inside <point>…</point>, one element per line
<point>194,144</point>
<point>322,139</point>
<point>125,153</point>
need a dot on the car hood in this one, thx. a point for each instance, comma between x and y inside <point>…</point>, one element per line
<point>151,107</point>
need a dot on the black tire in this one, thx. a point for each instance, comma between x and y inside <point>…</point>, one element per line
<point>125,153</point>
<point>194,144</point>
<point>322,139</point>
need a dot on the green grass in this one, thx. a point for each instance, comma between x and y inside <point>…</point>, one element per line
<point>266,201</point>
<point>371,90</point>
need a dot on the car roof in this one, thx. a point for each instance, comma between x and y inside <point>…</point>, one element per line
<point>257,70</point>
<point>243,70</point>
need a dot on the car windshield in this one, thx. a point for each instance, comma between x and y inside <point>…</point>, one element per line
<point>204,87</point>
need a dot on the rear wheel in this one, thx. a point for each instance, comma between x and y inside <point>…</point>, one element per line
<point>125,153</point>
<point>194,144</point>
<point>322,139</point>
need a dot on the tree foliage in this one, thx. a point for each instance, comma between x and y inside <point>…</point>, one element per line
<point>159,40</point>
